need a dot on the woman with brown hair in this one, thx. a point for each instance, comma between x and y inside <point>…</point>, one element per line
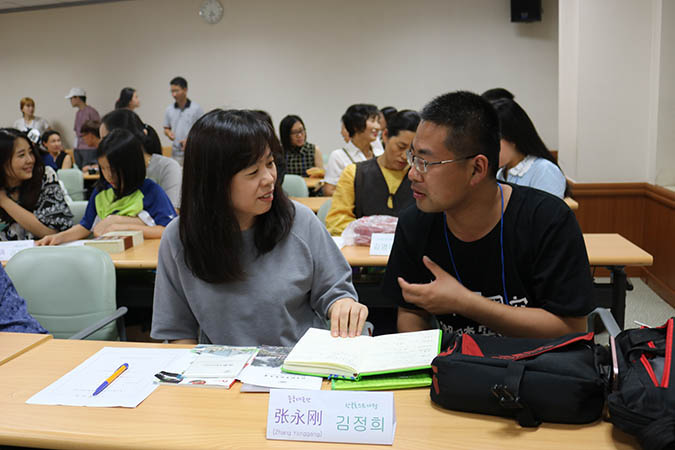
<point>29,120</point>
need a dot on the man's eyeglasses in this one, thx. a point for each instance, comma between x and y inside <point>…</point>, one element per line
<point>421,165</point>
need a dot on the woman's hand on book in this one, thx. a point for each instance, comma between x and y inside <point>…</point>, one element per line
<point>347,317</point>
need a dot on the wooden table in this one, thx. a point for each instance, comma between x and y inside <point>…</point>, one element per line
<point>143,256</point>
<point>179,418</point>
<point>15,344</point>
<point>91,176</point>
<point>359,256</point>
<point>610,250</point>
<point>573,204</point>
<point>614,252</point>
<point>313,203</point>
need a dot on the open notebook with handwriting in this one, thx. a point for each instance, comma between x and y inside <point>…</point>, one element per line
<point>318,353</point>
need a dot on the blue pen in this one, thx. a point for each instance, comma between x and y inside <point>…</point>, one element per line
<point>120,370</point>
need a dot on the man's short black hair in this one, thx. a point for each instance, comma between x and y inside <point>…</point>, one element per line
<point>91,127</point>
<point>472,123</point>
<point>497,94</point>
<point>356,116</point>
<point>82,97</point>
<point>179,81</point>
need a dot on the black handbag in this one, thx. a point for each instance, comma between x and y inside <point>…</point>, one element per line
<point>560,380</point>
<point>642,401</point>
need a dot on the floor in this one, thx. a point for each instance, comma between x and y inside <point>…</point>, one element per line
<point>645,306</point>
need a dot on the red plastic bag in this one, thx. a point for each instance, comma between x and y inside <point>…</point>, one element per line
<point>359,231</point>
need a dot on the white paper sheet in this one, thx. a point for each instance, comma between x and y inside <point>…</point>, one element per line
<point>211,365</point>
<point>132,387</point>
<point>272,377</point>
<point>381,244</point>
<point>219,361</point>
<point>339,241</point>
<point>11,248</point>
<point>265,373</point>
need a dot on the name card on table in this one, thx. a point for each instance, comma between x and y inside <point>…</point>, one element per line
<point>331,416</point>
<point>381,243</point>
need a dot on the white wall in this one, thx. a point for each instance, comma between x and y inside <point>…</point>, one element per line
<point>616,90</point>
<point>312,58</point>
<point>613,83</point>
<point>665,148</point>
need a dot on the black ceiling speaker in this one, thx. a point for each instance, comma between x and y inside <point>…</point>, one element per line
<point>525,10</point>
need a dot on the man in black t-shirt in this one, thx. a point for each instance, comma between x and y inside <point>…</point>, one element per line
<point>482,257</point>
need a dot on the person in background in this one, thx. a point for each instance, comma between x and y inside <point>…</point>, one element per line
<point>386,114</point>
<point>162,170</point>
<point>123,199</point>
<point>84,154</point>
<point>91,137</point>
<point>128,99</point>
<point>497,94</point>
<point>362,122</point>
<point>29,121</point>
<point>51,140</point>
<point>523,157</point>
<point>14,316</point>
<point>218,274</point>
<point>476,255</point>
<point>179,117</point>
<point>32,204</point>
<point>280,161</point>
<point>379,186</point>
<point>300,155</point>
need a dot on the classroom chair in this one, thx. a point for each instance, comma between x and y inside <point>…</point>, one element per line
<point>70,291</point>
<point>78,208</point>
<point>73,181</point>
<point>601,318</point>
<point>323,211</point>
<point>295,186</point>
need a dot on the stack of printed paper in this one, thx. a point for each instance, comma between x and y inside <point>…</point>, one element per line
<point>265,373</point>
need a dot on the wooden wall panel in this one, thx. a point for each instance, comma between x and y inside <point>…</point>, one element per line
<point>641,212</point>
<point>611,208</point>
<point>659,240</point>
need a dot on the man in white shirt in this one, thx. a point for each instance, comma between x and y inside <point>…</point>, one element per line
<point>179,117</point>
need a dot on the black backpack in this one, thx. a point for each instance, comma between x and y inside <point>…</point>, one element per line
<point>642,401</point>
<point>562,380</point>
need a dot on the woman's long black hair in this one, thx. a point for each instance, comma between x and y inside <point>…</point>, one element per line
<point>124,153</point>
<point>219,145</point>
<point>126,94</point>
<point>29,190</point>
<point>129,120</point>
<point>285,131</point>
<point>517,128</point>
